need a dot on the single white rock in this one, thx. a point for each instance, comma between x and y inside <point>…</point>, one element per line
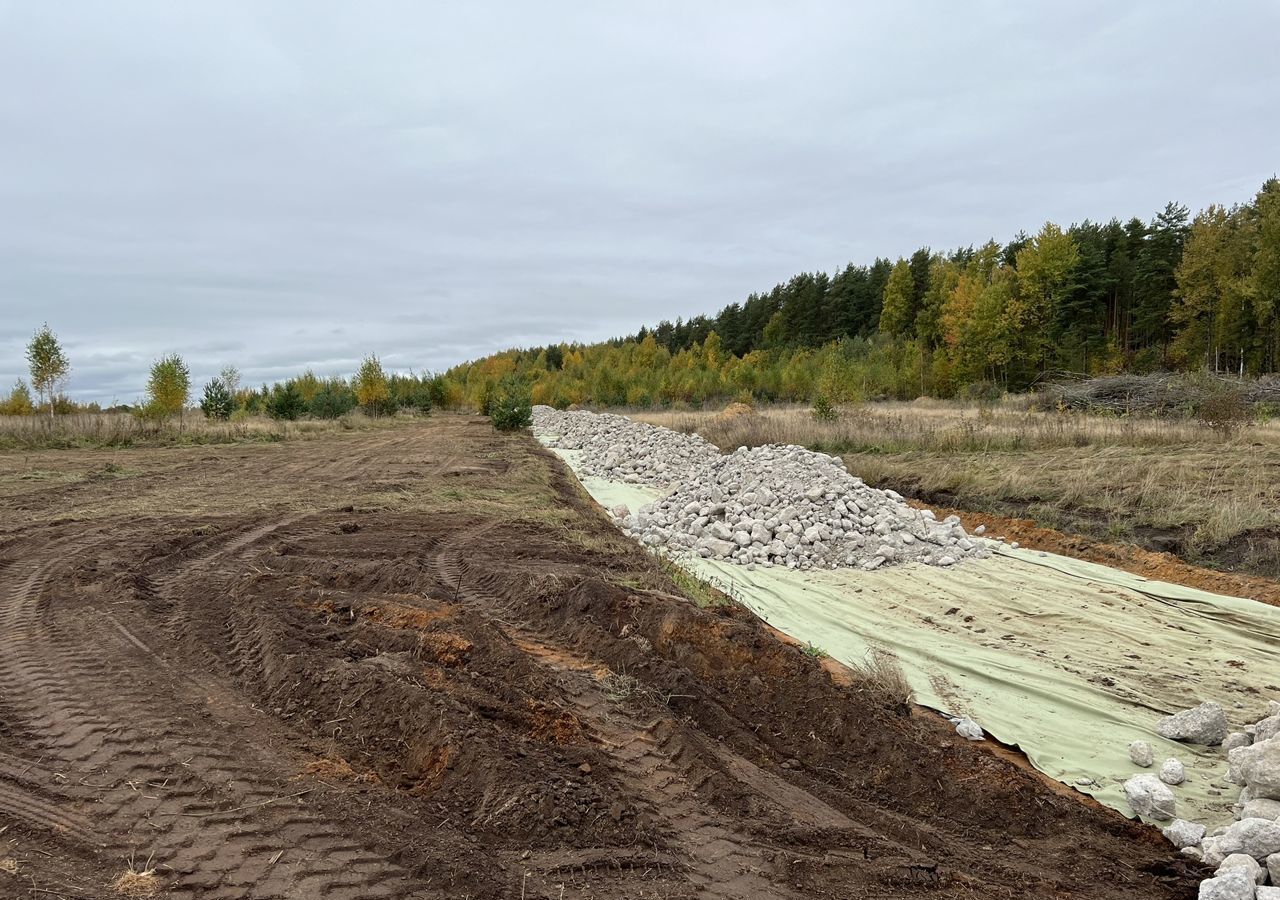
<point>1183,834</point>
<point>1261,808</point>
<point>1258,767</point>
<point>1234,885</point>
<point>1149,796</point>
<point>1173,772</point>
<point>1266,729</point>
<point>1236,739</point>
<point>1204,724</point>
<point>720,531</point>
<point>1258,838</point>
<point>1243,863</point>
<point>1141,754</point>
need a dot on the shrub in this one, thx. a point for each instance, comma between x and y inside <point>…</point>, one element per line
<point>286,403</point>
<point>981,392</point>
<point>488,397</point>
<point>19,401</point>
<point>217,402</point>
<point>1224,410</point>
<point>823,411</point>
<point>882,674</point>
<point>333,400</point>
<point>510,407</point>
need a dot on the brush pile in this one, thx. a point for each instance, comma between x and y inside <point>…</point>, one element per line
<point>1162,394</point>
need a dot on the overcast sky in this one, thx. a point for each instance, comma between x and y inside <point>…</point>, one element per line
<point>288,184</point>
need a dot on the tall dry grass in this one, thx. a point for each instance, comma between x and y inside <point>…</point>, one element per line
<point>939,426</point>
<point>881,672</point>
<point>118,430</point>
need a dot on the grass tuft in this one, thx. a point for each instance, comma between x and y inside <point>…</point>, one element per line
<point>134,882</point>
<point>881,672</point>
<point>620,688</point>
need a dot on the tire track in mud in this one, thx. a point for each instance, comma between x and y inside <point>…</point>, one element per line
<point>662,765</point>
<point>651,760</point>
<point>215,821</point>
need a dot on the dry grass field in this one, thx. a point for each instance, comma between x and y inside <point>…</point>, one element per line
<point>122,429</point>
<point>1177,486</point>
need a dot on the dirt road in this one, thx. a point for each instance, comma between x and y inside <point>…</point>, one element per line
<point>418,662</point>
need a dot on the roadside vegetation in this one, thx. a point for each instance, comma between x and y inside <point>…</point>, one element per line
<point>123,429</point>
<point>225,412</point>
<point>1184,485</point>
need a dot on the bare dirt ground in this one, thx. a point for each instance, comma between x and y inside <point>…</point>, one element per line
<point>418,662</point>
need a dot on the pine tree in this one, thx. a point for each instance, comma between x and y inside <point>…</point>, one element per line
<point>1266,274</point>
<point>286,402</point>
<point>1154,281</point>
<point>217,402</point>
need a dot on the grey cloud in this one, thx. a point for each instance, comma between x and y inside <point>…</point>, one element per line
<point>292,184</point>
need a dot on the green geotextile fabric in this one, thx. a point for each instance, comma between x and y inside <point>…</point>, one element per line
<point>1068,660</point>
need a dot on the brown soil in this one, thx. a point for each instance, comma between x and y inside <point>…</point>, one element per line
<point>1147,563</point>
<point>420,663</point>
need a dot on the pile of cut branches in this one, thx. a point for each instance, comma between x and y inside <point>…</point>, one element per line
<point>1181,395</point>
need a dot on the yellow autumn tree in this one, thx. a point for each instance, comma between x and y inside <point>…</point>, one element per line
<point>370,384</point>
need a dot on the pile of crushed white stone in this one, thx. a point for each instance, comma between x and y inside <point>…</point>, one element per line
<point>776,505</point>
<point>1246,853</point>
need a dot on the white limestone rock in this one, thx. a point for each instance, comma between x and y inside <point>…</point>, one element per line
<point>1141,754</point>
<point>1173,772</point>
<point>1258,838</point>
<point>1240,862</point>
<point>1150,797</point>
<point>1261,808</point>
<point>1258,768</point>
<point>1183,834</point>
<point>1236,739</point>
<point>1233,885</point>
<point>1204,724</point>
<point>1273,868</point>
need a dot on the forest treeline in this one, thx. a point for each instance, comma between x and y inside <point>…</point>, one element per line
<point>1173,293</point>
